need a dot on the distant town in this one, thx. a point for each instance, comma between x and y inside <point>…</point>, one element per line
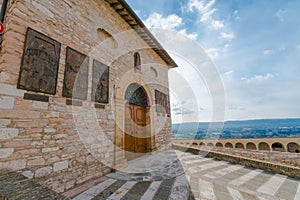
<point>261,128</point>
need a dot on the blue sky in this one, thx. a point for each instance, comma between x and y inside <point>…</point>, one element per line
<point>253,44</point>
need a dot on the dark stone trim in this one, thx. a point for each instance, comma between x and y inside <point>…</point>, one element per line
<point>36,97</point>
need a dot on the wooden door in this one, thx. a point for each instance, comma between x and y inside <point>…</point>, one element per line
<point>135,129</point>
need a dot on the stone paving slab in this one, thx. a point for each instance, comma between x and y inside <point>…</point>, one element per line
<point>15,186</point>
<point>213,180</point>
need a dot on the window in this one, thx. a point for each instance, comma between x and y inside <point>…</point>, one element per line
<point>137,61</point>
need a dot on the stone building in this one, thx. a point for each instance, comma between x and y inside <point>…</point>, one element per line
<point>83,89</point>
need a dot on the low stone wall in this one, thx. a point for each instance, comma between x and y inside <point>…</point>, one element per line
<point>290,159</point>
<point>259,164</point>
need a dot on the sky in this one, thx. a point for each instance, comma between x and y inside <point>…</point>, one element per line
<point>253,44</point>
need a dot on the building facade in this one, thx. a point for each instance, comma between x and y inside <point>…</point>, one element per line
<point>83,89</point>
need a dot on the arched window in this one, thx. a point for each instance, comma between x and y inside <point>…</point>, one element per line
<point>137,61</point>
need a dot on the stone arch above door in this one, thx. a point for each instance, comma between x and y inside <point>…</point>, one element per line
<point>136,94</point>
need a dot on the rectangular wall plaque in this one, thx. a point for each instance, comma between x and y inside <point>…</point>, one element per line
<point>162,102</point>
<point>36,97</point>
<point>100,87</point>
<point>76,75</point>
<point>100,106</point>
<point>39,65</point>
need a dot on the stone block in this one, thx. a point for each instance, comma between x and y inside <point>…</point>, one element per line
<point>17,144</point>
<point>36,162</point>
<point>45,150</point>
<point>5,122</point>
<point>7,102</point>
<point>43,172</point>
<point>50,115</point>
<point>28,174</point>
<point>11,90</point>
<point>8,133</point>
<point>60,166</point>
<point>19,114</point>
<point>49,130</point>
<point>40,105</point>
<point>6,152</point>
<point>13,164</point>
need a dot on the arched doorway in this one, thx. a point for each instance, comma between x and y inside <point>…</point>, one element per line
<point>210,144</point>
<point>137,121</point>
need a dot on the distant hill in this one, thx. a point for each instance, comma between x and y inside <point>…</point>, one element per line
<point>238,129</point>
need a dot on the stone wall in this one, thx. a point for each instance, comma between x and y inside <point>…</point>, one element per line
<point>275,157</point>
<point>64,145</point>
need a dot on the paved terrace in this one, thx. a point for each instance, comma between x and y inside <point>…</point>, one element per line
<point>180,175</point>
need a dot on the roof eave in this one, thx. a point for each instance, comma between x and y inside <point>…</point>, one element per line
<point>124,10</point>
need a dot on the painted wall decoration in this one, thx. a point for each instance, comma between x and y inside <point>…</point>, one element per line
<point>162,102</point>
<point>39,65</point>
<point>100,87</point>
<point>76,75</point>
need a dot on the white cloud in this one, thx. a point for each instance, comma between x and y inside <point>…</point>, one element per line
<point>280,14</point>
<point>217,24</point>
<point>268,52</point>
<point>156,20</point>
<point>213,52</point>
<point>259,78</point>
<point>192,36</point>
<point>206,11</point>
<point>227,36</point>
<point>171,22</point>
<point>228,74</point>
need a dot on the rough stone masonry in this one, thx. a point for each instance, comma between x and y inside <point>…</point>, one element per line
<point>51,127</point>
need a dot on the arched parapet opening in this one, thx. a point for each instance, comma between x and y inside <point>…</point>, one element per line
<point>202,144</point>
<point>293,147</point>
<point>228,145</point>
<point>210,144</point>
<point>194,144</point>
<point>251,146</point>
<point>219,144</point>
<point>239,146</point>
<point>263,146</point>
<point>277,146</point>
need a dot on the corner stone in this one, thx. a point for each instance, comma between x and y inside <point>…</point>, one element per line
<point>60,166</point>
<point>8,133</point>
<point>43,172</point>
<point>7,102</point>
<point>6,152</point>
